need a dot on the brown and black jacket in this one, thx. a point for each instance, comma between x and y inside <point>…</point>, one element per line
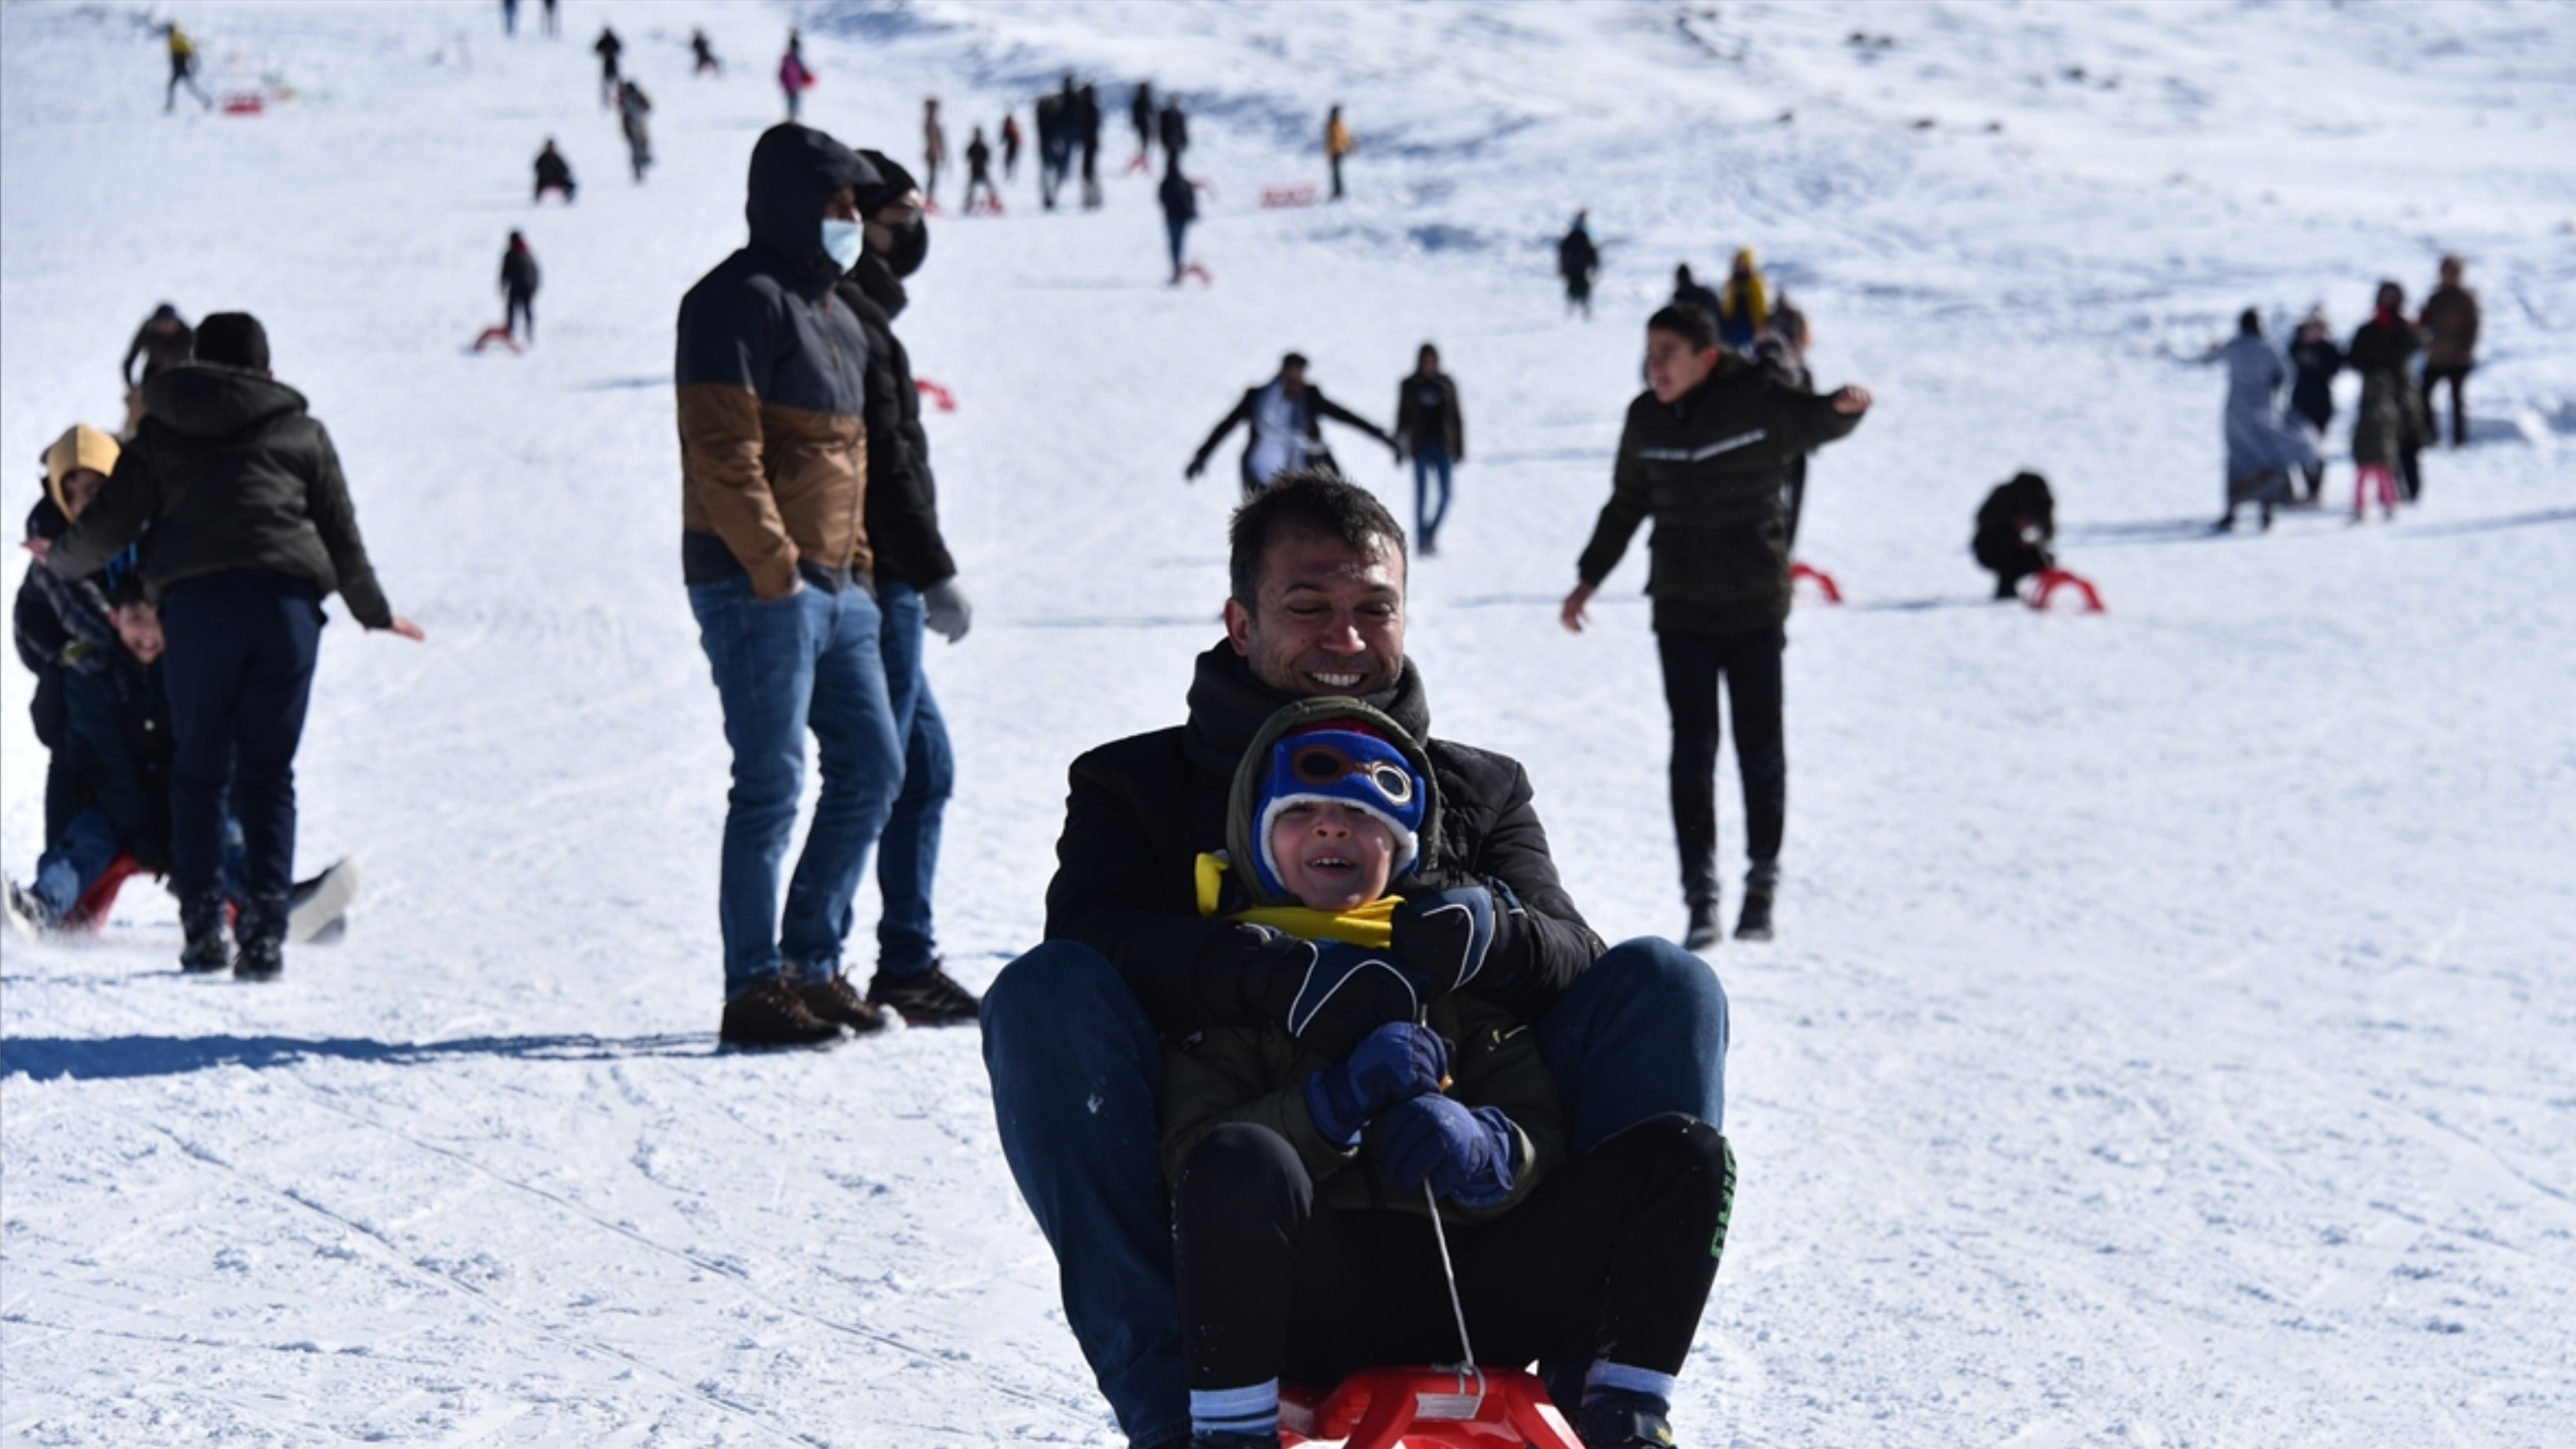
<point>772,378</point>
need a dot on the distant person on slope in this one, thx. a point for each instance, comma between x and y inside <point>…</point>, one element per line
<point>519,288</point>
<point>917,590</point>
<point>1051,123</point>
<point>609,47</point>
<point>1781,350</point>
<point>1174,127</point>
<point>633,106</point>
<point>934,149</point>
<point>1180,200</point>
<point>2390,426</point>
<point>183,70</point>
<point>2450,323</point>
<point>1011,141</point>
<point>1578,261</point>
<point>1744,304</point>
<point>1429,430</point>
<point>705,53</point>
<point>62,625</point>
<point>771,375</point>
<point>250,526</point>
<point>1687,292</point>
<point>1086,131</point>
<point>2015,526</point>
<point>1337,144</point>
<point>554,173</point>
<point>2316,359</point>
<point>794,80</point>
<point>1140,114</point>
<point>1286,416</point>
<point>1701,455</point>
<point>164,341</point>
<point>979,172</point>
<point>2261,449</point>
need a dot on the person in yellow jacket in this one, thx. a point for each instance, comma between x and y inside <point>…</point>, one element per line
<point>183,70</point>
<point>1337,144</point>
<point>1743,305</point>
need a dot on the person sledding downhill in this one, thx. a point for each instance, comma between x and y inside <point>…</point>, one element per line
<point>1300,1183</point>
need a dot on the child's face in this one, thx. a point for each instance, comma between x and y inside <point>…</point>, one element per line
<point>80,488</point>
<point>1332,856</point>
<point>139,625</point>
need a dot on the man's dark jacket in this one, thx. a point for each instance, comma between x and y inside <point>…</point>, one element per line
<point>903,499</point>
<point>1707,468</point>
<point>232,474</point>
<point>1438,422</point>
<point>1142,810</point>
<point>519,271</point>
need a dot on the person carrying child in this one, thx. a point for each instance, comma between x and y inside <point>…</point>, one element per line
<point>1300,1184</point>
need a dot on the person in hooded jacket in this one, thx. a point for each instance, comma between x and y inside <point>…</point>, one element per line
<point>2390,427</point>
<point>1173,126</point>
<point>1687,292</point>
<point>1743,304</point>
<point>62,626</point>
<point>1578,261</point>
<point>2316,359</point>
<point>1701,453</point>
<point>917,591</point>
<point>519,287</point>
<point>250,527</point>
<point>771,375</point>
<point>2015,526</point>
<point>1286,417</point>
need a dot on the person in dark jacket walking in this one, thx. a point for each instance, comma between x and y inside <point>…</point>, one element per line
<point>2450,323</point>
<point>917,590</point>
<point>1010,148</point>
<point>2389,430</point>
<point>163,342</point>
<point>979,172</point>
<point>633,106</point>
<point>2316,359</point>
<point>63,625</point>
<point>705,56</point>
<point>1578,261</point>
<point>1074,1029</point>
<point>519,287</point>
<point>554,173</point>
<point>771,375</point>
<point>608,47</point>
<point>1286,417</point>
<point>1701,454</point>
<point>1174,125</point>
<point>1429,430</point>
<point>1140,114</point>
<point>2015,525</point>
<point>1180,200</point>
<point>1687,292</point>
<point>250,526</point>
<point>1086,130</point>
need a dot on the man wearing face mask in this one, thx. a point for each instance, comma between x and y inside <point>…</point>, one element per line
<point>916,588</point>
<point>772,377</point>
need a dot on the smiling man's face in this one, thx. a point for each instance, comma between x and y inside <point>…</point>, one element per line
<point>1326,619</point>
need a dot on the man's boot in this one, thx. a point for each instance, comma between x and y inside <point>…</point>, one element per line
<point>262,929</point>
<point>201,916</point>
<point>1702,932</point>
<point>1618,1419</point>
<point>837,1000</point>
<point>1754,923</point>
<point>771,1014</point>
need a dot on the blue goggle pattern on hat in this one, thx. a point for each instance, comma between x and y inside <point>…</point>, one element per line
<point>1347,766</point>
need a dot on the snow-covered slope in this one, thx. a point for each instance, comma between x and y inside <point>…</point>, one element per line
<point>2167,1039</point>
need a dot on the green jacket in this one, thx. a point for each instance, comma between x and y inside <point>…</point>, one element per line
<point>1258,1075</point>
<point>229,473</point>
<point>1707,468</point>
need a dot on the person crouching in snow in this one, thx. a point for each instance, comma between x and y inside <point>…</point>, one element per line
<point>2014,528</point>
<point>554,173</point>
<point>1299,1185</point>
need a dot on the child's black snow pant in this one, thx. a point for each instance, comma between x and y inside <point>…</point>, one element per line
<point>1611,1257</point>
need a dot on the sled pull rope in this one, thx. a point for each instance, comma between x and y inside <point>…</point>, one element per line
<point>1466,1350</point>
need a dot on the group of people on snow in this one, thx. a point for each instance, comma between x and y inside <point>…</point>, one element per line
<point>1284,418</point>
<point>173,617</point>
<point>2268,446</point>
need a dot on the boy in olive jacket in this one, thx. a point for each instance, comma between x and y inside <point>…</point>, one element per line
<point>1299,1184</point>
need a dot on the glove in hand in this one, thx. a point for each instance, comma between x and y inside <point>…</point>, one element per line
<point>1197,467</point>
<point>1443,938</point>
<point>945,611</point>
<point>1394,1063</point>
<point>1464,1153</point>
<point>1330,994</point>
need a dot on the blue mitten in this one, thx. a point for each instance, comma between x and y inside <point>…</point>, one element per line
<point>1397,1061</point>
<point>1466,1154</point>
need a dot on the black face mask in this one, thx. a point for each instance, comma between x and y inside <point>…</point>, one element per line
<point>911,246</point>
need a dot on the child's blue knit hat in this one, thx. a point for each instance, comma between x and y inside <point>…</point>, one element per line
<point>1345,761</point>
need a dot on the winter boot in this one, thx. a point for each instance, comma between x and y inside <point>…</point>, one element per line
<point>31,912</point>
<point>1754,922</point>
<point>201,916</point>
<point>772,1014</point>
<point>925,998</point>
<point>1702,932</point>
<point>1618,1419</point>
<point>837,1000</point>
<point>262,933</point>
<point>1220,1439</point>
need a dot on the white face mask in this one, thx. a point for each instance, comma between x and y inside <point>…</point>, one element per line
<point>841,242</point>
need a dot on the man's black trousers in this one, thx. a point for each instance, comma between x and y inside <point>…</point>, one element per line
<point>239,671</point>
<point>1611,1257</point>
<point>1750,664</point>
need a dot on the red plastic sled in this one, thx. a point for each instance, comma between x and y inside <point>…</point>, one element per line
<point>1287,196</point>
<point>940,397</point>
<point>90,911</point>
<point>1195,270</point>
<point>491,335</point>
<point>1824,581</point>
<point>245,103</point>
<point>1460,1408</point>
<point>2050,580</point>
<point>1138,162</point>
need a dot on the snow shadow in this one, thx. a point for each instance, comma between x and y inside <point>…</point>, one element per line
<point>104,1058</point>
<point>2490,525</point>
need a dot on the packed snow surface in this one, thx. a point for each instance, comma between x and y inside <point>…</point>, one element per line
<point>2168,1041</point>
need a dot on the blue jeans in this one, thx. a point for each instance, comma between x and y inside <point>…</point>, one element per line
<point>87,845</point>
<point>783,667</point>
<point>1429,458</point>
<point>1175,231</point>
<point>908,853</point>
<point>239,672</point>
<point>1077,1076</point>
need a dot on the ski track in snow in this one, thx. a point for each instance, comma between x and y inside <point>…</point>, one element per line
<point>2166,1041</point>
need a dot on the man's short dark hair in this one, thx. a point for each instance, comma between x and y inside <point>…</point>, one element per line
<point>1306,500</point>
<point>233,339</point>
<point>1293,359</point>
<point>1691,324</point>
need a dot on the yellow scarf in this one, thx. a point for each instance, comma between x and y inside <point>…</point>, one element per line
<point>1368,925</point>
